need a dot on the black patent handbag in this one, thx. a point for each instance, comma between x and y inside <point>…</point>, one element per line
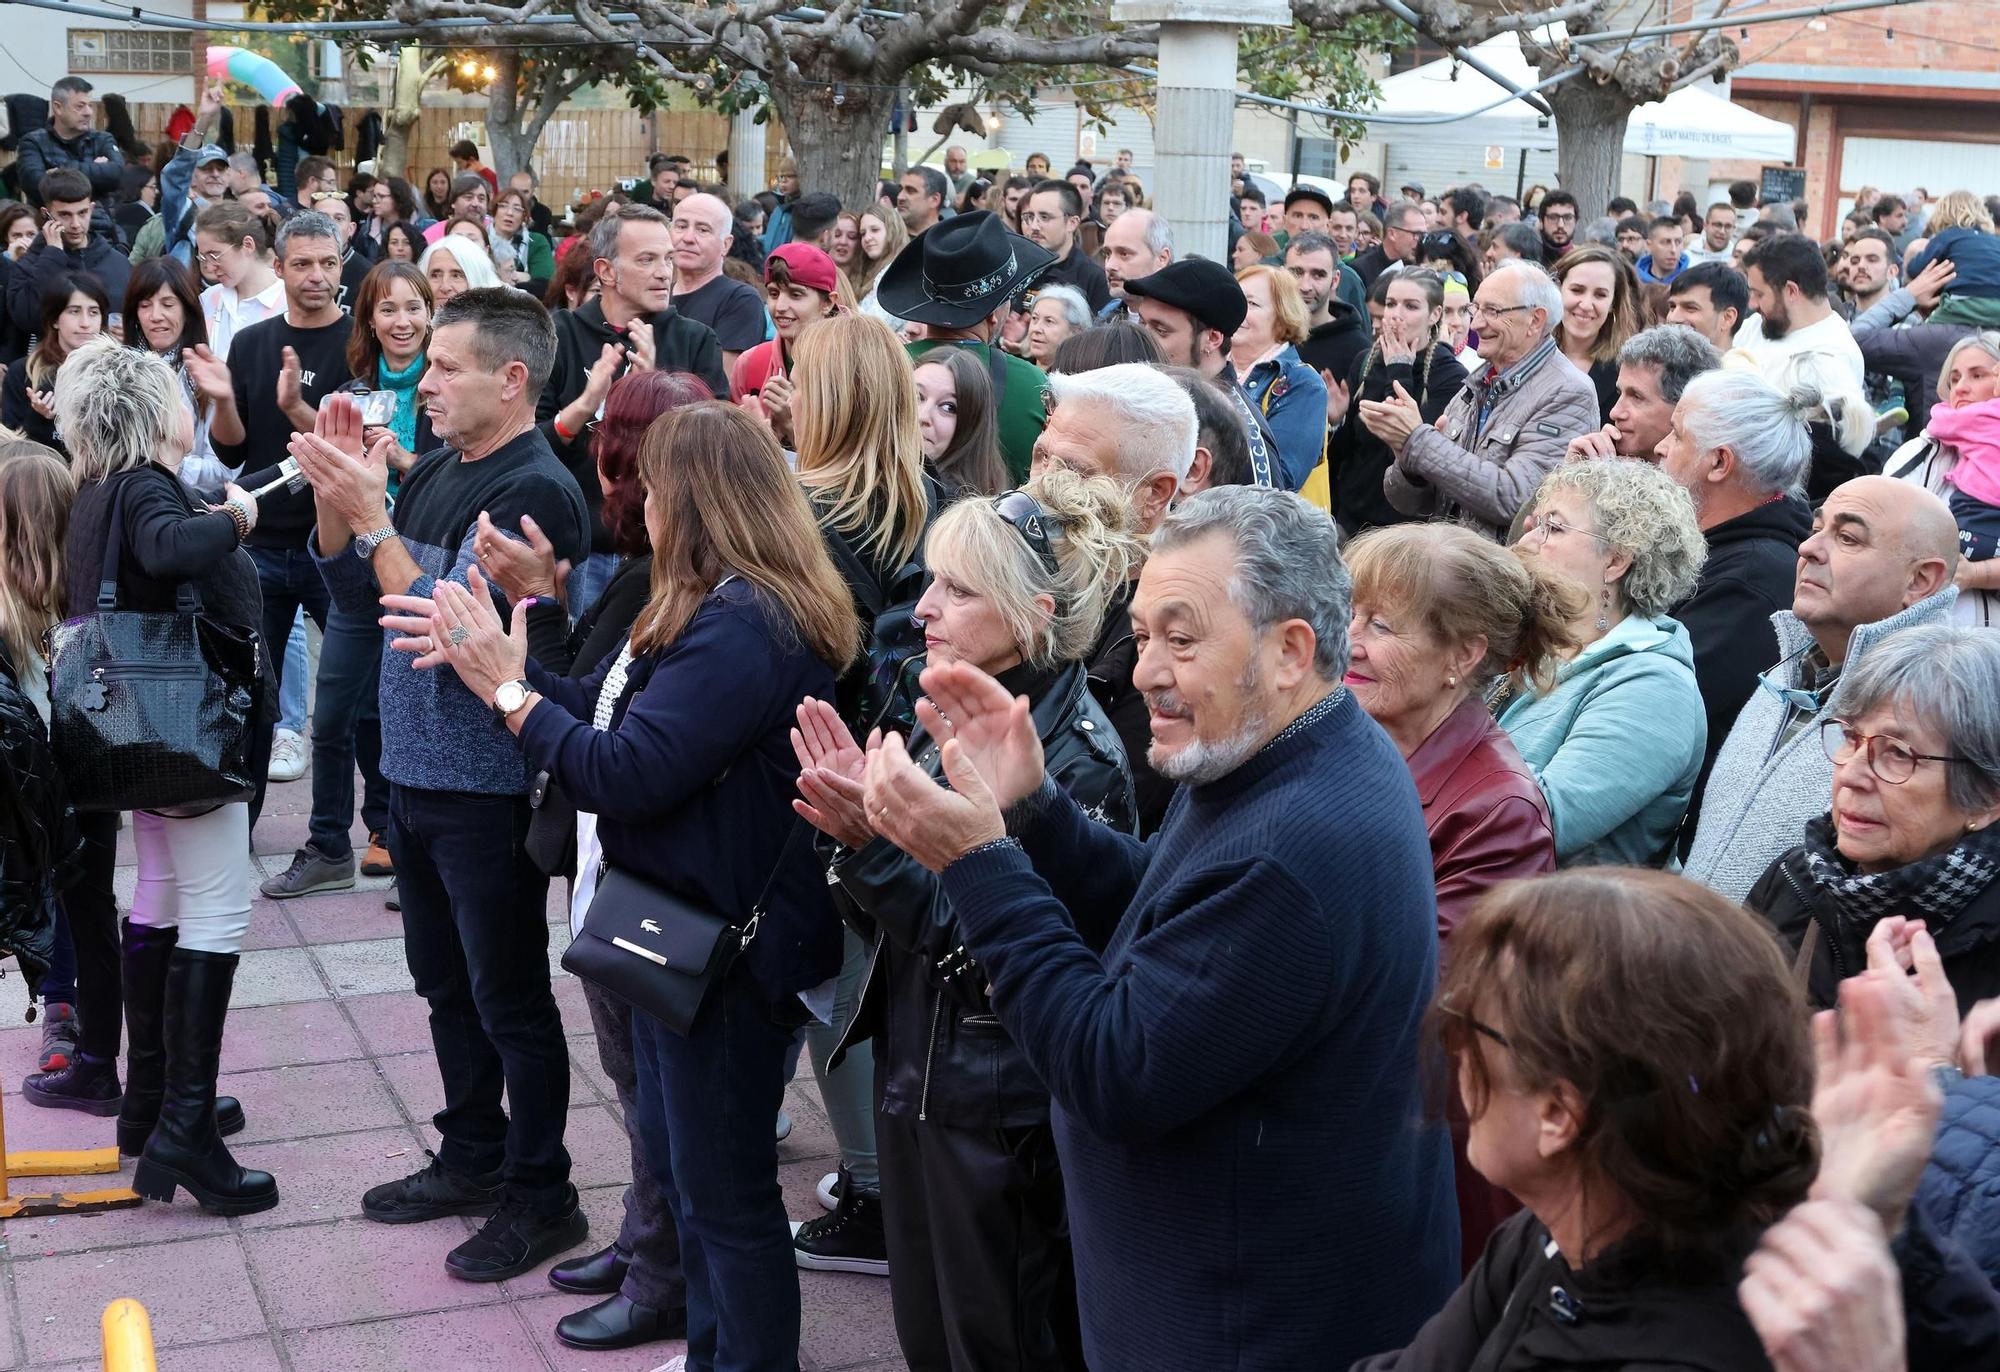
<point>151,710</point>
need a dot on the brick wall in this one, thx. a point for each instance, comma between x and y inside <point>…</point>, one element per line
<point>1859,40</point>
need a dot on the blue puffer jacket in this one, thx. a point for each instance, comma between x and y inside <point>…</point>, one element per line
<point>1960,1190</point>
<point>1292,397</point>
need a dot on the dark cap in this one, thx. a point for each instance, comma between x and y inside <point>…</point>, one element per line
<point>1205,290</point>
<point>1312,193</point>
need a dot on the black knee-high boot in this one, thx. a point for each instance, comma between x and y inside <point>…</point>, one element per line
<point>185,1149</point>
<point>146,953</point>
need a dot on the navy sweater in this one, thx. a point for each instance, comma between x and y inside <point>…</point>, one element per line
<point>693,782</point>
<point>436,735</point>
<point>1253,1181</point>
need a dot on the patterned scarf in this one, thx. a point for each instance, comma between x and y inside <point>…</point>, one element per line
<point>1933,889</point>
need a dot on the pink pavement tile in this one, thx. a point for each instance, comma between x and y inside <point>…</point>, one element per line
<point>487,1337</point>
<point>34,1127</point>
<point>242,1355</point>
<point>151,1223</point>
<point>391,1021</point>
<point>569,1000</point>
<point>345,916</point>
<point>586,1074</point>
<point>600,1153</point>
<point>288,1036</point>
<point>322,1098</point>
<point>20,1047</point>
<point>324,1178</point>
<point>326,1274</point>
<point>541,1313</point>
<point>414,1079</point>
<point>281,829</point>
<point>198,1291</point>
<point>268,927</point>
<point>845,1319</point>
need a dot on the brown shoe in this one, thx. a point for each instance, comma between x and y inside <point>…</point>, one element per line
<point>376,861</point>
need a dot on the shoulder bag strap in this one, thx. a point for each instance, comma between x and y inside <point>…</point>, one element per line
<point>187,600</point>
<point>1808,946</point>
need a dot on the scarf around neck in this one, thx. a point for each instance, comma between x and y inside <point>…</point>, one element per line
<point>1933,889</point>
<point>1975,431</point>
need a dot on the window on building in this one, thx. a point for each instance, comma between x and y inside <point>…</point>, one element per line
<point>141,51</point>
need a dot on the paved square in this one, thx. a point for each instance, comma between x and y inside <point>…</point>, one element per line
<point>329,1051</point>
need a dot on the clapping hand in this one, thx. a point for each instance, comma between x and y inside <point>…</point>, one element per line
<point>639,338</point>
<point>343,479</point>
<point>1823,1292</point>
<point>210,374</point>
<point>831,770</point>
<point>460,629</point>
<point>1393,420</point>
<point>1337,398</point>
<point>520,568</point>
<point>994,729</point>
<point>935,826</point>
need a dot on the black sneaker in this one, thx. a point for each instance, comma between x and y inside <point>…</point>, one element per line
<point>394,900</point>
<point>431,1194</point>
<point>848,1240</point>
<point>91,1087</point>
<point>311,871</point>
<point>516,1239</point>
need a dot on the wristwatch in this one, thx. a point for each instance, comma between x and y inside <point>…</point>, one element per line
<point>511,696</point>
<point>366,544</point>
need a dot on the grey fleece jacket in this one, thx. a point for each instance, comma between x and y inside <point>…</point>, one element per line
<point>1762,791</point>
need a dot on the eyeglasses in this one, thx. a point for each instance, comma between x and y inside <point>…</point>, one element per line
<point>209,258</point>
<point>1889,760</point>
<point>1495,311</point>
<point>1472,1023</point>
<point>1024,512</point>
<point>1549,526</point>
<point>1558,217</point>
<point>1459,277</point>
<point>1798,698</point>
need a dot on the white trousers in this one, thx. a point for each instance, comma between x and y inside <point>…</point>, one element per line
<point>195,873</point>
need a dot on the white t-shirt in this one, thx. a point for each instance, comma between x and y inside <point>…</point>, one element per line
<point>228,314</point>
<point>1829,341</point>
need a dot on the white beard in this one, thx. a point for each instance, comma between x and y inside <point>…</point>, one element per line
<point>1202,762</point>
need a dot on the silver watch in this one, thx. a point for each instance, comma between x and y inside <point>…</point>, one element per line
<point>366,544</point>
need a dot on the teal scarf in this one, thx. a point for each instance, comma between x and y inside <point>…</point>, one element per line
<point>404,383</point>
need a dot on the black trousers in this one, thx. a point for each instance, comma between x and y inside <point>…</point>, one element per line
<point>92,911</point>
<point>980,1274</point>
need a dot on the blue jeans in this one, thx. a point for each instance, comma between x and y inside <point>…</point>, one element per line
<point>292,697</point>
<point>347,726</point>
<point>290,583</point>
<point>587,581</point>
<point>477,942</point>
<point>59,982</point>
<point>705,1106</point>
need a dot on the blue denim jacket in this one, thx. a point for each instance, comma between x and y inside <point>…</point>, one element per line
<point>1293,399</point>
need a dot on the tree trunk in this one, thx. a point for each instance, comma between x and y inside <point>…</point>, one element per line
<point>506,113</point>
<point>1590,140</point>
<point>838,145</point>
<point>406,103</point>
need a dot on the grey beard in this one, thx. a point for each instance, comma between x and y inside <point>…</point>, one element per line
<point>1202,762</point>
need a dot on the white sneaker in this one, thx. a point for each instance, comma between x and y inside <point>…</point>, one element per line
<point>674,1364</point>
<point>784,1126</point>
<point>828,1191</point>
<point>288,756</point>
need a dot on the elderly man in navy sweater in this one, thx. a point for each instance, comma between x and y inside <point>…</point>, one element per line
<point>1236,1060</point>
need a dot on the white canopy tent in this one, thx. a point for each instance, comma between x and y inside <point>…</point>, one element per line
<point>1689,123</point>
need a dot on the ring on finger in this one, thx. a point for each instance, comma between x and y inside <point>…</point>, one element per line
<point>459,633</point>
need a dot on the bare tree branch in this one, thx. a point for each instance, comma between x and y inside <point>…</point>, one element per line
<point>997,47</point>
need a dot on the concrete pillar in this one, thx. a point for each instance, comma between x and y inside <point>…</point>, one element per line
<point>746,155</point>
<point>1196,114</point>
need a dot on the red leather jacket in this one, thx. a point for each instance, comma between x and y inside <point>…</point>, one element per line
<point>1487,820</point>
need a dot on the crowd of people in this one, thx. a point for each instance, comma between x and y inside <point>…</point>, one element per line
<point>1422,799</point>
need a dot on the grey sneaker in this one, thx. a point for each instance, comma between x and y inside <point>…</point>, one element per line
<point>311,871</point>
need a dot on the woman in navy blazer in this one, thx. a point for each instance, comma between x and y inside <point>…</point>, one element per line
<point>681,745</point>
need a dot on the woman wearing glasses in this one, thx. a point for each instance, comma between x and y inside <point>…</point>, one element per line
<point>972,1193</point>
<point>1616,741</point>
<point>232,249</point>
<point>1629,1050</point>
<point>1911,828</point>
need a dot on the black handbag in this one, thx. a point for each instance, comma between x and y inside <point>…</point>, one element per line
<point>657,951</point>
<point>151,710</point>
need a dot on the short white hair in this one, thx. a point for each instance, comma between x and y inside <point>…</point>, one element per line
<point>115,407</point>
<point>1076,309</point>
<point>1535,288</point>
<point>1155,426</point>
<point>478,267</point>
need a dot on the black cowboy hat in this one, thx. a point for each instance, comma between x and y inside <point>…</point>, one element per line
<point>959,271</point>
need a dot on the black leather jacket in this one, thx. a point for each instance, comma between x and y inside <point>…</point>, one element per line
<point>40,846</point>
<point>940,1052</point>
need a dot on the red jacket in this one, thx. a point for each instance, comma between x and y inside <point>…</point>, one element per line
<point>1488,823</point>
<point>1487,820</point>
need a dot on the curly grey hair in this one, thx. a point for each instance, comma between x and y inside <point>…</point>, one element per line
<point>1642,512</point>
<point>1288,563</point>
<point>1948,677</point>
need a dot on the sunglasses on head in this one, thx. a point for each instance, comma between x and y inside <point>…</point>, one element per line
<point>1024,512</point>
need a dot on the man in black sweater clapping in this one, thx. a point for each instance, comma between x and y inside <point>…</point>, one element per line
<point>279,368</point>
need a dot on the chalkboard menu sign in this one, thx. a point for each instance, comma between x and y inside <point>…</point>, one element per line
<point>1781,185</point>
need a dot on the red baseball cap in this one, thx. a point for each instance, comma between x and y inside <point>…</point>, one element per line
<point>808,266</point>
